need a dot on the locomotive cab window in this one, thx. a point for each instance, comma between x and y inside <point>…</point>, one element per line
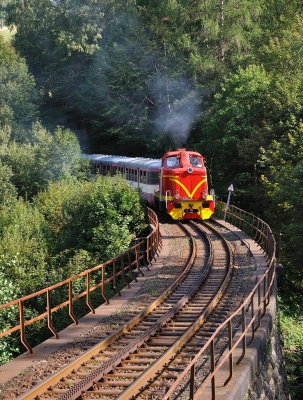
<point>196,161</point>
<point>172,162</point>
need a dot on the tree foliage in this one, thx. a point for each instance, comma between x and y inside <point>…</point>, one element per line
<point>101,217</point>
<point>42,158</point>
<point>237,127</point>
<point>18,97</point>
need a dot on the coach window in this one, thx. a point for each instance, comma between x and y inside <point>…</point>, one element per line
<point>135,175</point>
<point>143,176</point>
<point>153,177</point>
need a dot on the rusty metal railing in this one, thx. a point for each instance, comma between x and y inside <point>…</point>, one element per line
<point>250,312</point>
<point>144,250</point>
<point>150,245</point>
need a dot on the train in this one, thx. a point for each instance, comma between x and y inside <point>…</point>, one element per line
<point>176,184</point>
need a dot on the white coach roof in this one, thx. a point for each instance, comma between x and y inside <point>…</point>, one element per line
<point>148,163</point>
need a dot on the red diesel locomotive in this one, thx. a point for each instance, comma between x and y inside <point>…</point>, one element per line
<point>183,189</point>
<point>176,184</point>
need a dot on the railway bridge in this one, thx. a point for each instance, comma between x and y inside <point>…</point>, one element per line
<point>231,374</point>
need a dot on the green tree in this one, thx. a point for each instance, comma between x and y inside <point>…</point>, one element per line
<point>283,56</point>
<point>9,346</point>
<point>101,217</point>
<point>18,97</point>
<point>43,158</point>
<point>236,128</point>
<point>22,239</point>
<point>57,39</point>
<point>213,37</point>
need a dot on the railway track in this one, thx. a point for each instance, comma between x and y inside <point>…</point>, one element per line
<point>143,357</point>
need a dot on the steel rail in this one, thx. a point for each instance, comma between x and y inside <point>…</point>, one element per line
<point>149,374</point>
<point>139,384</point>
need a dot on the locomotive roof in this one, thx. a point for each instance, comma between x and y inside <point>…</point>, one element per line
<point>182,151</point>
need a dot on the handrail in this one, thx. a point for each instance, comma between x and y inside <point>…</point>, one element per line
<point>144,250</point>
<point>256,302</point>
<point>166,197</point>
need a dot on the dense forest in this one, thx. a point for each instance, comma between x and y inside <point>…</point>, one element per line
<point>138,78</point>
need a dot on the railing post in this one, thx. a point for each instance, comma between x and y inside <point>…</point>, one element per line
<point>115,278</point>
<point>138,260</point>
<point>244,337</point>
<point>103,285</point>
<point>148,251</point>
<point>192,381</point>
<point>213,364</point>
<point>230,360</point>
<point>265,299</point>
<point>130,267</point>
<point>22,328</point>
<point>252,316</point>
<point>123,272</point>
<point>89,304</point>
<point>259,302</point>
<point>49,314</point>
<point>70,302</point>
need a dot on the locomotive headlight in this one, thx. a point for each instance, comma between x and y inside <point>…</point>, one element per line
<point>177,196</point>
<point>204,196</point>
<point>189,170</point>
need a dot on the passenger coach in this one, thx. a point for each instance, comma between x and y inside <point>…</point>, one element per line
<point>141,173</point>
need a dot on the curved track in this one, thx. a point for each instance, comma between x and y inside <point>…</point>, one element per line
<point>161,338</point>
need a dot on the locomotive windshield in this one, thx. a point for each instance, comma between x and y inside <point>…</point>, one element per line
<point>195,161</point>
<point>173,161</point>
